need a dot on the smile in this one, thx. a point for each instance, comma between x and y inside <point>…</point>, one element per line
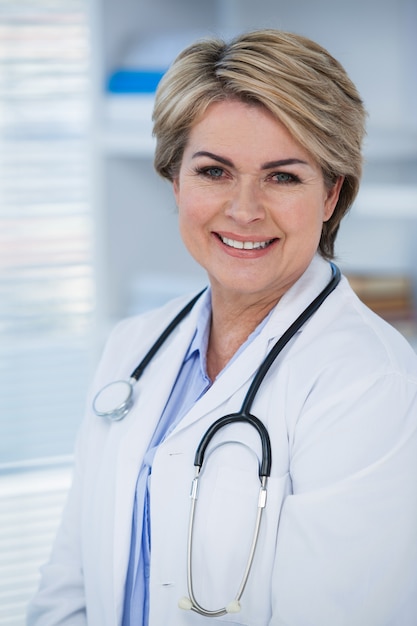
<point>246,245</point>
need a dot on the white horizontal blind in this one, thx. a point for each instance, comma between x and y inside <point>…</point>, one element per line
<point>30,506</point>
<point>46,294</point>
<point>46,282</point>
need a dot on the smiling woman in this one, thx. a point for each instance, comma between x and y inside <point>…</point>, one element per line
<point>261,140</point>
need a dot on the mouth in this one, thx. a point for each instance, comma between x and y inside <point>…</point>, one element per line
<point>246,245</point>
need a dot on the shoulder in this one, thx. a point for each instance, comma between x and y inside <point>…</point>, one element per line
<point>352,384</point>
<point>348,336</point>
<point>349,361</point>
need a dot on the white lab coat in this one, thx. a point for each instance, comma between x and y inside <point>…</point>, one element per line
<point>338,542</point>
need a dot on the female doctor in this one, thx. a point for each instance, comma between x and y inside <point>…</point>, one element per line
<point>261,139</point>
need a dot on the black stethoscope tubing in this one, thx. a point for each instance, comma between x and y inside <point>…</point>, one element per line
<point>137,373</point>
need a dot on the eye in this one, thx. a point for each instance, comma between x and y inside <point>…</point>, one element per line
<point>211,172</point>
<point>284,178</point>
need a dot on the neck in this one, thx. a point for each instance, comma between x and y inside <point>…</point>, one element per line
<point>231,325</point>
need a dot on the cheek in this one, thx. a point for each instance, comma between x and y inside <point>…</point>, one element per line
<point>196,205</point>
<point>299,218</point>
<point>190,220</point>
<point>188,212</point>
<point>302,224</point>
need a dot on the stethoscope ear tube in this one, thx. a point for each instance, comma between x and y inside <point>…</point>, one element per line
<point>137,373</point>
<point>233,418</point>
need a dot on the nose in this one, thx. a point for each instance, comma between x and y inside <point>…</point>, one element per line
<point>245,204</point>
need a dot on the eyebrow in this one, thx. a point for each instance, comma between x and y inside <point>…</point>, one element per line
<point>265,166</point>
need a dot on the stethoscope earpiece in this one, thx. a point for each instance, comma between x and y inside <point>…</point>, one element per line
<point>185,604</point>
<point>233,607</point>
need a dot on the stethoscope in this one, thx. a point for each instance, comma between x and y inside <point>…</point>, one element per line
<point>115,400</point>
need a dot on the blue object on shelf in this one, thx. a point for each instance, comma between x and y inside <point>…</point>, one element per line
<point>134,81</point>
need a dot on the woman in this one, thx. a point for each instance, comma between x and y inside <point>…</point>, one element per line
<point>261,139</point>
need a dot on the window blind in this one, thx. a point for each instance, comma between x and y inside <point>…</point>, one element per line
<point>46,291</point>
<point>46,280</point>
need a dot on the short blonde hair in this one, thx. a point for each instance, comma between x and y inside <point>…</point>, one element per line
<point>297,80</point>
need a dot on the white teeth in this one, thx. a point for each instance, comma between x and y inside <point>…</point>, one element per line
<point>247,245</point>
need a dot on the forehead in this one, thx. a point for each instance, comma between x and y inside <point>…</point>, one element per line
<point>240,128</point>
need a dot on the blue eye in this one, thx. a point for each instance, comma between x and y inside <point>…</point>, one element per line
<point>284,177</point>
<point>210,172</point>
<point>215,172</point>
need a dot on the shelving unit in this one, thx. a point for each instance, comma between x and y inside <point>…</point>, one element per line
<point>140,258</point>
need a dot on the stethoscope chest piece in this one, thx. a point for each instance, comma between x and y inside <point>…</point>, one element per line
<point>114,400</point>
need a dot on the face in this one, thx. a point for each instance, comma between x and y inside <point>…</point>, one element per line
<point>251,202</point>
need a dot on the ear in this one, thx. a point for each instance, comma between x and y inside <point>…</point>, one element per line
<point>176,188</point>
<point>332,197</point>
